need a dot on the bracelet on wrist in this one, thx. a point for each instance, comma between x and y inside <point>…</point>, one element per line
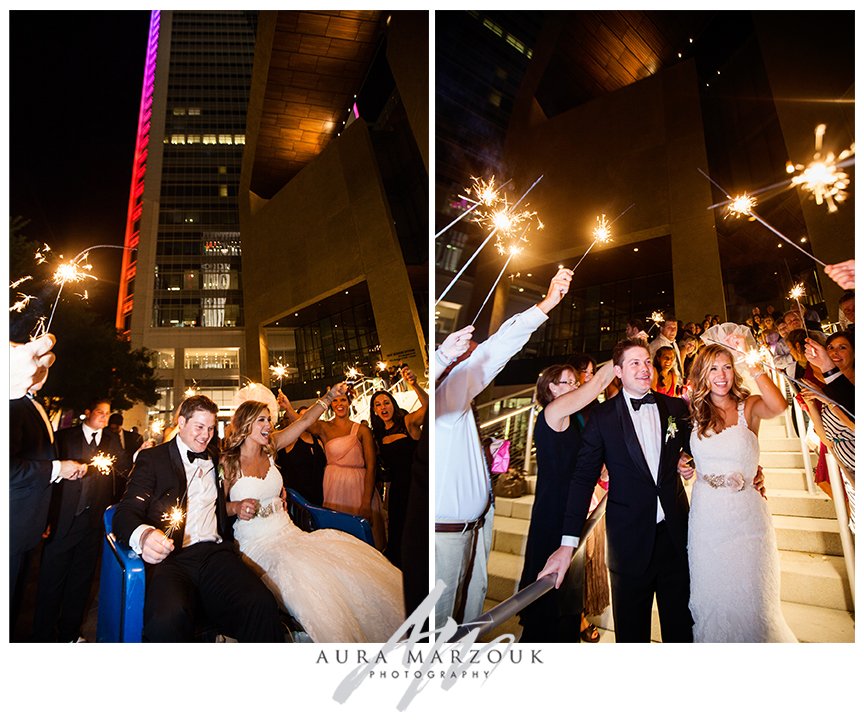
<point>444,357</point>
<point>323,405</point>
<point>830,373</point>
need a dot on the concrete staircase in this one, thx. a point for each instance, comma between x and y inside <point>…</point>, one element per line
<point>817,602</point>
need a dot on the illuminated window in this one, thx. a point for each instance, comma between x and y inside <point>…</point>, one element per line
<point>209,139</point>
<point>179,111</point>
<point>239,139</point>
<point>225,140</point>
<point>178,139</point>
<point>193,139</point>
<point>494,27</point>
<point>164,359</point>
<point>495,98</point>
<point>223,170</point>
<point>223,191</point>
<point>194,111</point>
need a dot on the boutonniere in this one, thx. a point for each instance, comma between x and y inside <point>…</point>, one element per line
<point>671,428</point>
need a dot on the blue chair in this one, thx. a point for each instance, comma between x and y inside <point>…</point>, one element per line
<point>121,589</point>
<point>121,582</point>
<point>311,517</point>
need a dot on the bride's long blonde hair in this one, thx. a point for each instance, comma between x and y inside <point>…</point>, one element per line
<point>236,433</point>
<point>704,413</point>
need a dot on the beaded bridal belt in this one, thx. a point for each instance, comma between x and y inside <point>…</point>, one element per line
<point>275,505</point>
<point>734,480</point>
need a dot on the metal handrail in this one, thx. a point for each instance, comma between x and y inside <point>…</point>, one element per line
<point>517,602</point>
<point>527,390</point>
<point>838,492</point>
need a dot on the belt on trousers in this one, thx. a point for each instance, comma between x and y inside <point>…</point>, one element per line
<point>463,527</point>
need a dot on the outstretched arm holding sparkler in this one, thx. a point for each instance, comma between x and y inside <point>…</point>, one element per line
<point>289,435</point>
<point>28,365</point>
<point>843,274</point>
<point>414,420</point>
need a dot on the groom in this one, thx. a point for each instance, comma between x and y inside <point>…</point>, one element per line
<point>640,437</point>
<point>194,566</point>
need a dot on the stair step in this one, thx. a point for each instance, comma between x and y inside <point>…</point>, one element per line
<point>784,478</point>
<point>505,569</point>
<point>806,577</point>
<point>514,507</point>
<point>510,535</point>
<point>783,501</point>
<point>771,443</point>
<point>784,459</point>
<point>812,624</point>
<point>809,535</point>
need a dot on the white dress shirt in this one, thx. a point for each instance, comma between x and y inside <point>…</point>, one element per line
<point>462,485</point>
<point>88,433</point>
<point>201,494</point>
<point>40,408</point>
<point>646,422</point>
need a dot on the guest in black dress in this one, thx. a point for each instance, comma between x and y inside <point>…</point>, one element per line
<point>396,433</point>
<point>302,466</point>
<point>557,438</point>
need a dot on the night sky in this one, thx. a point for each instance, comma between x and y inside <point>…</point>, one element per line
<point>75,88</point>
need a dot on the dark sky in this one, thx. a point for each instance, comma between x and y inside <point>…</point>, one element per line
<point>75,87</point>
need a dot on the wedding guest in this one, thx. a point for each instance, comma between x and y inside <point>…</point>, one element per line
<point>666,380</point>
<point>666,338</point>
<point>302,463</point>
<point>847,310</point>
<point>396,434</point>
<point>70,553</point>
<point>463,493</point>
<point>557,438</point>
<point>636,329</point>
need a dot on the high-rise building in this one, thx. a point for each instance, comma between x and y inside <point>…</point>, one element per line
<point>181,293</point>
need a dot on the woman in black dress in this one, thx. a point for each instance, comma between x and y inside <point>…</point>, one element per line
<point>396,433</point>
<point>302,466</point>
<point>557,438</point>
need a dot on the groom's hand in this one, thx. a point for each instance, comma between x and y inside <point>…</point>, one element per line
<point>685,468</point>
<point>558,562</point>
<point>155,546</point>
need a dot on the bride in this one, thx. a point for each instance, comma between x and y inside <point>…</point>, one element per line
<point>338,587</point>
<point>734,565</point>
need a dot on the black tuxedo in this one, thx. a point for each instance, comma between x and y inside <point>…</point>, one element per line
<point>71,552</point>
<point>204,576</point>
<point>642,554</point>
<point>31,454</point>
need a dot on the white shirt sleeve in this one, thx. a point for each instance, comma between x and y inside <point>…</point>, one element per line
<point>135,538</point>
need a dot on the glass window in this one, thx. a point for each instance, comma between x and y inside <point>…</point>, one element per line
<point>239,139</point>
<point>209,139</point>
<point>164,359</point>
<point>225,140</point>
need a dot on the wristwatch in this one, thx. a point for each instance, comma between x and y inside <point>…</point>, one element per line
<point>831,372</point>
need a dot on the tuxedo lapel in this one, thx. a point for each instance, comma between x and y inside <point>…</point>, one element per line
<point>179,471</point>
<point>664,419</point>
<point>631,440</point>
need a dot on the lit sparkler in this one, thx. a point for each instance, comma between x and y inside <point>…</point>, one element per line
<point>156,428</point>
<point>72,271</point>
<point>823,177</point>
<point>381,365</point>
<point>492,232</point>
<point>22,302</point>
<point>352,373</point>
<point>743,205</point>
<point>602,233</point>
<point>103,462</point>
<point>174,519</point>
<point>485,193</point>
<point>279,370</point>
<point>657,319</point>
<point>796,293</point>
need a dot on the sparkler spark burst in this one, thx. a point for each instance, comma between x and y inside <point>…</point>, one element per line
<point>278,370</point>
<point>19,281</point>
<point>796,292</point>
<point>352,373</point>
<point>823,177</point>
<point>740,205</point>
<point>485,192</point>
<point>102,462</point>
<point>753,357</point>
<point>73,272</point>
<point>22,302</point>
<point>602,233</point>
<point>157,426</point>
<point>41,256</point>
<point>657,317</point>
<point>174,517</point>
<point>382,365</point>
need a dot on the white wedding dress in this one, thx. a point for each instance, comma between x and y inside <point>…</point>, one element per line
<point>734,565</point>
<point>338,587</point>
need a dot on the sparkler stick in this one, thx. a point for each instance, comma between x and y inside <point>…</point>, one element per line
<point>743,205</point>
<point>483,244</point>
<point>657,318</point>
<point>492,289</point>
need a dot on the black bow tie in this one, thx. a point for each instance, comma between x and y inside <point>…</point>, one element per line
<point>649,399</point>
<point>200,456</point>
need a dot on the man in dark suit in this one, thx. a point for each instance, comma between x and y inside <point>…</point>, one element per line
<point>33,467</point>
<point>640,436</point>
<point>71,551</point>
<point>191,563</point>
<point>129,442</point>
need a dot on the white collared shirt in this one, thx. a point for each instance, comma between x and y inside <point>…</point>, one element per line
<point>201,496</point>
<point>646,422</point>
<point>88,433</point>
